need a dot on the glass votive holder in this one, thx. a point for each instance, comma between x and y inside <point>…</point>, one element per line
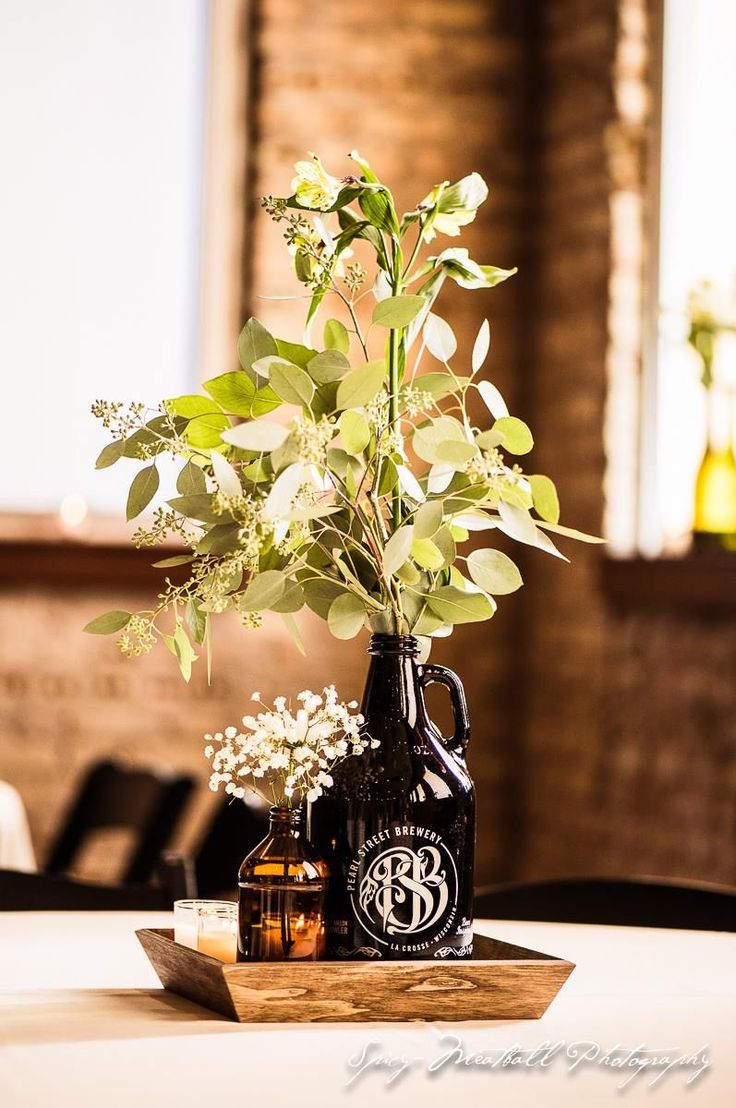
<point>209,926</point>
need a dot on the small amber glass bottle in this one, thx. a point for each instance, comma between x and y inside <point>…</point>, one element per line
<point>282,885</point>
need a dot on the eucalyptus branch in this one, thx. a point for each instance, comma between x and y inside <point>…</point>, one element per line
<point>248,477</point>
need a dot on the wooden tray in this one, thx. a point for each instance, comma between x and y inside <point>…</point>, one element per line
<point>500,981</point>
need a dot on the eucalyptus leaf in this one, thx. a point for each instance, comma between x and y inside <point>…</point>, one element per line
<point>204,431</point>
<point>346,616</point>
<point>517,438</point>
<point>355,432</point>
<point>408,574</point>
<point>329,366</point>
<point>361,385</point>
<point>439,337</point>
<point>440,476</point>
<point>260,435</point>
<point>176,560</point>
<point>445,543</point>
<point>108,623</point>
<point>320,593</point>
<point>427,623</point>
<point>235,392</point>
<point>426,554</point>
<point>291,383</point>
<point>142,491</point>
<point>220,539</point>
<point>494,572</point>
<point>263,366</point>
<point>492,399</point>
<point>517,524</point>
<point>544,542</point>
<point>196,620</point>
<point>481,346</point>
<point>284,489</point>
<point>193,405</point>
<point>440,385</point>
<point>457,454</point>
<point>428,437</point>
<point>255,342</point>
<point>544,497</point>
<point>184,651</point>
<point>428,519</point>
<point>398,549</point>
<point>264,590</point>
<point>292,599</point>
<point>291,626</point>
<point>110,454</point>
<point>571,533</point>
<point>264,401</point>
<point>336,336</point>
<point>295,352</point>
<point>489,440</point>
<point>453,606</point>
<point>196,506</point>
<point>389,477</point>
<point>206,420</point>
<point>225,476</point>
<point>191,480</point>
<point>397,311</point>
<point>409,484</point>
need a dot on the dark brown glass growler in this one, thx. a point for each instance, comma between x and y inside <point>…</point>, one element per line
<point>398,826</point>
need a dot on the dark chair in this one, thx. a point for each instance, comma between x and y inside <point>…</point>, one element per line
<point>40,892</point>
<point>148,802</point>
<point>628,902</point>
<point>233,831</point>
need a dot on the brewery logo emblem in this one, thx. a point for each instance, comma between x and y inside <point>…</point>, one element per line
<point>403,887</point>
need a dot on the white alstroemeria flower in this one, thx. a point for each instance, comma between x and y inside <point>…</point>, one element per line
<point>313,186</point>
<point>451,207</point>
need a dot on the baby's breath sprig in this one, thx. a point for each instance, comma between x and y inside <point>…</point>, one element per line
<point>288,753</point>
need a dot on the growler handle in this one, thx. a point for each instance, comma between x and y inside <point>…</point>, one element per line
<point>440,675</point>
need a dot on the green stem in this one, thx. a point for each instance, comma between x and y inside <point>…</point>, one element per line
<point>396,343</point>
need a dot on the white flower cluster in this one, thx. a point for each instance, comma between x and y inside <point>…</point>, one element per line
<point>291,754</point>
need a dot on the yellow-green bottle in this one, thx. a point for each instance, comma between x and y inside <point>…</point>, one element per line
<point>715,484</point>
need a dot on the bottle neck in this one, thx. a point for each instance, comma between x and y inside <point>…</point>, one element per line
<point>720,419</point>
<point>392,687</point>
<point>284,821</point>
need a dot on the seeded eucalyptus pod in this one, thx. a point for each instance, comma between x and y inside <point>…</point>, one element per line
<point>345,472</point>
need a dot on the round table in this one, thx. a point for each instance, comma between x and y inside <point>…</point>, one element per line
<point>84,1023</point>
<point>16,849</point>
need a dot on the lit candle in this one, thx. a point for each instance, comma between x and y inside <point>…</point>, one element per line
<point>218,944</point>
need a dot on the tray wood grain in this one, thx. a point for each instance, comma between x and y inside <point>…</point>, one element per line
<point>500,981</point>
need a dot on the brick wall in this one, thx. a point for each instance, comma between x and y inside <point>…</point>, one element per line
<point>628,758</point>
<point>603,742</point>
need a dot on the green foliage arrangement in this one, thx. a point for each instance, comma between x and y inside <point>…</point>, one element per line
<point>341,475</point>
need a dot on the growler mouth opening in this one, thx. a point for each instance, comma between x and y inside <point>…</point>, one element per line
<point>406,646</point>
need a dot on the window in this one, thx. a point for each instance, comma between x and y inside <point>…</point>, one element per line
<point>105,111</point>
<point>696,244</point>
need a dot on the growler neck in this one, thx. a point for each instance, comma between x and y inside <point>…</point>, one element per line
<point>393,685</point>
<point>394,646</point>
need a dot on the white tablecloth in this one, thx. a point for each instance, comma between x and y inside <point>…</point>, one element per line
<point>83,1023</point>
<point>16,849</point>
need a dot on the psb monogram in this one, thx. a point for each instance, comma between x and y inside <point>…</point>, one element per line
<point>405,892</point>
<point>405,889</point>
